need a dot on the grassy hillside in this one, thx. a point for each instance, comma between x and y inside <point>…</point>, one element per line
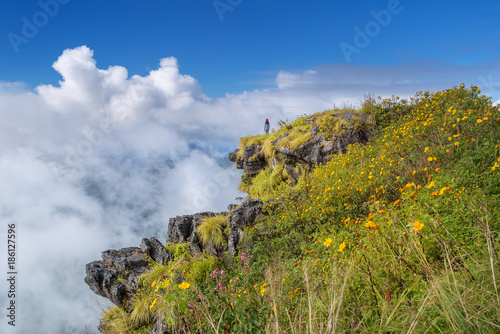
<point>398,235</point>
<point>291,137</point>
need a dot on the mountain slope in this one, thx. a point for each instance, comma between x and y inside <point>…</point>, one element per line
<point>400,234</point>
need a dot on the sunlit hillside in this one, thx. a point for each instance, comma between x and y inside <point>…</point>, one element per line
<point>401,234</point>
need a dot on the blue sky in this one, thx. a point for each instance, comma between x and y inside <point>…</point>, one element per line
<point>253,41</point>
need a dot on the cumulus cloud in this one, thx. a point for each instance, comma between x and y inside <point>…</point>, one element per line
<point>103,159</point>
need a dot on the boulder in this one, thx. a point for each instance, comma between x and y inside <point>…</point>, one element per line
<point>160,328</point>
<point>116,276</point>
<point>156,250</point>
<point>241,217</point>
<point>183,229</point>
<point>253,160</point>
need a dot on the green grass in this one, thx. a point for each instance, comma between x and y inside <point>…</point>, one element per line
<point>399,235</point>
<point>117,321</point>
<point>212,231</point>
<point>292,136</point>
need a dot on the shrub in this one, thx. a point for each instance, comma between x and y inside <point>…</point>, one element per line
<point>211,231</point>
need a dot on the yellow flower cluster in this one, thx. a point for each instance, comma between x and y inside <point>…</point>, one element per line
<point>184,285</point>
<point>392,176</point>
<point>417,226</point>
<point>370,224</point>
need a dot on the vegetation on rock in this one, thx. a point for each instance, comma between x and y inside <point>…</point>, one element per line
<point>297,147</point>
<point>401,234</point>
<point>213,231</point>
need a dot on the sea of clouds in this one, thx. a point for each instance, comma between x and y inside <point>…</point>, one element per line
<point>103,159</point>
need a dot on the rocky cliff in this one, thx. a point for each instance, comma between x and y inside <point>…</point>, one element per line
<point>296,147</point>
<point>115,277</point>
<point>323,136</point>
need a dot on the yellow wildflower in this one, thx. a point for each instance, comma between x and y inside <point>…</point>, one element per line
<point>262,290</point>
<point>370,224</point>
<point>184,285</point>
<point>327,242</point>
<point>417,226</point>
<point>153,304</point>
<point>341,247</point>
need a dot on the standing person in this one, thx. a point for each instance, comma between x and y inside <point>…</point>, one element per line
<point>266,126</point>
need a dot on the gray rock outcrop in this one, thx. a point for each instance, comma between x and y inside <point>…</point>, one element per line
<point>156,250</point>
<point>116,276</point>
<point>241,217</point>
<point>160,328</point>
<point>183,229</point>
<point>318,150</point>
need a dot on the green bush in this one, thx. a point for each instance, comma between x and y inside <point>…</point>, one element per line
<point>212,231</point>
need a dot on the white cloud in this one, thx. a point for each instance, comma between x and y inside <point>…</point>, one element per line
<point>103,159</point>
<point>288,80</point>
